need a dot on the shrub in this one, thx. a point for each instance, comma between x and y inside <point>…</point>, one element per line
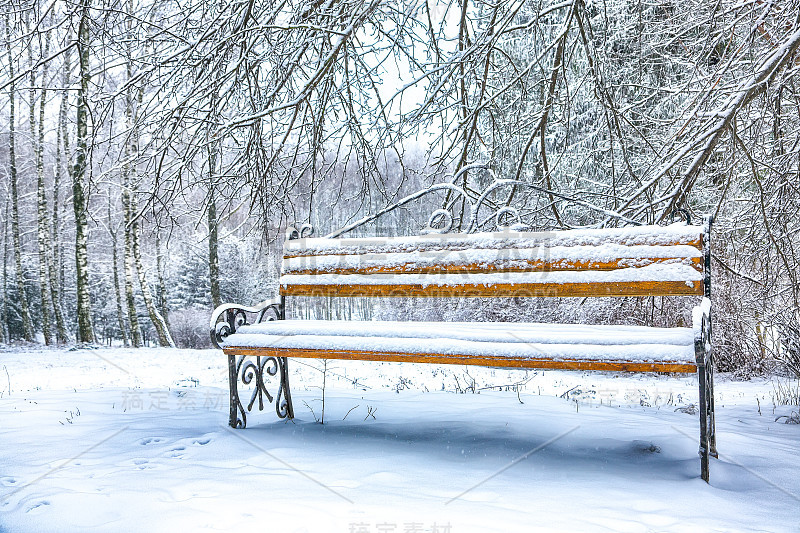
<point>190,327</point>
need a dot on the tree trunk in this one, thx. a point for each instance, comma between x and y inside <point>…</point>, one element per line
<point>27,326</point>
<point>128,216</point>
<point>213,235</point>
<point>79,200</point>
<point>56,262</point>
<point>130,299</point>
<point>115,270</point>
<point>161,294</point>
<point>118,294</point>
<point>64,130</point>
<point>164,337</point>
<point>4,336</point>
<point>132,225</point>
<point>213,246</point>
<point>213,251</point>
<point>42,229</point>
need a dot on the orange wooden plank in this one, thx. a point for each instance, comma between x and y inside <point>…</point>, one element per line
<point>512,265</point>
<point>635,288</point>
<point>365,245</point>
<point>487,360</point>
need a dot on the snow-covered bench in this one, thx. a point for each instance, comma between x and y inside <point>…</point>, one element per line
<point>631,261</point>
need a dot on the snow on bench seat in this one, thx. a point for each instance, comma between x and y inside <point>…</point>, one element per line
<point>516,345</point>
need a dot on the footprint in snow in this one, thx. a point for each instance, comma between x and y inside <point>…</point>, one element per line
<point>175,452</point>
<point>143,464</point>
<point>37,505</point>
<point>150,440</point>
<point>8,481</point>
<point>202,442</point>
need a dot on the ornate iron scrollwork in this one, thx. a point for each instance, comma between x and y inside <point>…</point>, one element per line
<point>242,369</point>
<point>306,230</point>
<point>471,203</point>
<point>440,221</point>
<point>255,373</point>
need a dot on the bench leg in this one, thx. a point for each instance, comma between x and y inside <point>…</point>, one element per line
<point>702,375</point>
<point>236,407</point>
<point>705,377</point>
<point>287,393</point>
<point>252,371</point>
<point>712,432</point>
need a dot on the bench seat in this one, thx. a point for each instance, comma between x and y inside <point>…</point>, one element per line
<point>497,344</point>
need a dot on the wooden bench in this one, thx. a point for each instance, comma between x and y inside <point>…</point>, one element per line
<point>630,261</point>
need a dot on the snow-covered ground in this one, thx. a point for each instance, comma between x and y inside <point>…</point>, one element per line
<point>136,440</point>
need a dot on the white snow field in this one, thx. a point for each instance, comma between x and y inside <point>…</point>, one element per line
<point>136,440</point>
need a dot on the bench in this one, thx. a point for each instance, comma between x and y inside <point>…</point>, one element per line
<point>630,261</point>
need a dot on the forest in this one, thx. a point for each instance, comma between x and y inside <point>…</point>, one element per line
<point>153,152</point>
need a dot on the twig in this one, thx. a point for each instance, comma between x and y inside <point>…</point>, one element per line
<point>516,385</point>
<point>312,411</point>
<point>350,411</point>
<point>567,392</point>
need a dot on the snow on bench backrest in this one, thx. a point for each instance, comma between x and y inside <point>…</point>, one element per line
<point>635,261</point>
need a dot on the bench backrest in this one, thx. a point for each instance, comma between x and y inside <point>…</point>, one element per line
<point>633,261</point>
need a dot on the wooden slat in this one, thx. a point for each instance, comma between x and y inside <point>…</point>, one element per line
<point>694,243</point>
<point>515,265</point>
<point>504,362</point>
<point>635,288</point>
<point>461,242</point>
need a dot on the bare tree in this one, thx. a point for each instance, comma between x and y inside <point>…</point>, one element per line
<point>43,216</point>
<point>4,333</point>
<point>113,230</point>
<point>56,264</point>
<point>79,176</point>
<point>27,325</point>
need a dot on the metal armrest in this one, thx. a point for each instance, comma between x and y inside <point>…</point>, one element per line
<point>227,318</point>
